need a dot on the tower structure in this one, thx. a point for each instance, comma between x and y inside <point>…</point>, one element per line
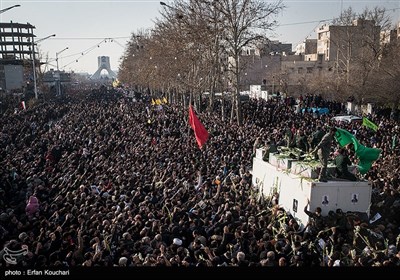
<point>103,64</point>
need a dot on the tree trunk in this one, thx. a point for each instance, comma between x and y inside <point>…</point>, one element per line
<point>233,109</point>
<point>239,110</point>
<point>237,103</point>
<point>223,107</point>
<point>199,102</point>
<point>211,99</point>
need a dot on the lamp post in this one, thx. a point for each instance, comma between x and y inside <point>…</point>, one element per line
<point>179,15</point>
<point>33,62</point>
<point>58,72</point>
<point>165,4</point>
<point>57,53</point>
<point>9,8</point>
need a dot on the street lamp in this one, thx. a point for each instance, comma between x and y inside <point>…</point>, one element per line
<point>33,62</point>
<point>9,8</point>
<point>57,53</point>
<point>179,15</point>
<point>165,4</point>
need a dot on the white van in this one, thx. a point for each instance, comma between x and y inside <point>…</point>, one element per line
<point>348,118</point>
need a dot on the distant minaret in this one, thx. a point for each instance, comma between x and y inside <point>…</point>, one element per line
<point>104,64</point>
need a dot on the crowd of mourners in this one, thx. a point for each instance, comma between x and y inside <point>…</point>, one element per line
<point>116,182</point>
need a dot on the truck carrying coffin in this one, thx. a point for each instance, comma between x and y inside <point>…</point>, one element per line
<point>295,183</point>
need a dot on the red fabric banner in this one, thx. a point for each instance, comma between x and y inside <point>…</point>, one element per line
<point>200,131</point>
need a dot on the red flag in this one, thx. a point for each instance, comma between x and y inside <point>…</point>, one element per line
<point>199,130</point>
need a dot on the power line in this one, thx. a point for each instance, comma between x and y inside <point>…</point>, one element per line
<point>89,38</point>
<point>118,43</point>
<point>88,50</point>
<point>305,22</point>
<point>82,54</point>
<point>322,20</point>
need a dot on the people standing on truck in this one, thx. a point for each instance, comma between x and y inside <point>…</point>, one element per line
<point>324,149</point>
<point>316,138</point>
<point>342,161</point>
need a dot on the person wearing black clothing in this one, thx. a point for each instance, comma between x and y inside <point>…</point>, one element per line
<point>270,147</point>
<point>301,141</point>
<point>342,162</point>
<point>316,220</point>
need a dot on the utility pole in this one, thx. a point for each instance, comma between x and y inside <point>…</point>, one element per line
<point>58,72</point>
<point>57,53</point>
<point>33,62</point>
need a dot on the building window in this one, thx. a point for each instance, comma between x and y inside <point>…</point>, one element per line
<point>309,70</point>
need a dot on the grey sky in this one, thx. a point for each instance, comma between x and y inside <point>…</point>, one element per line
<point>85,26</point>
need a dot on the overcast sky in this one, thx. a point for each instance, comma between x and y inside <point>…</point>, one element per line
<point>85,26</point>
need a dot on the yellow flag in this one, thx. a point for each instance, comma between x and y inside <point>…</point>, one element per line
<point>158,101</point>
<point>116,83</point>
<point>165,100</point>
<point>152,102</point>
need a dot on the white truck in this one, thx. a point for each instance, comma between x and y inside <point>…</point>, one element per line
<point>295,185</point>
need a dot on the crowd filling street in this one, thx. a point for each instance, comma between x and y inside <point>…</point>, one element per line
<point>108,181</point>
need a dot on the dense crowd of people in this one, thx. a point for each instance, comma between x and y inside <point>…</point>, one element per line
<point>113,182</point>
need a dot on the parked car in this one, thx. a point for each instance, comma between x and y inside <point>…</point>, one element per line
<point>348,118</point>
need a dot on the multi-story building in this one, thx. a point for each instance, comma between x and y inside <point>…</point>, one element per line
<point>398,30</point>
<point>15,55</point>
<point>309,46</point>
<point>337,42</point>
<point>335,48</point>
<point>389,36</point>
<point>268,48</point>
<point>276,47</point>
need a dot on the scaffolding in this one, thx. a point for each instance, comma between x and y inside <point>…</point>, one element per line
<point>16,42</point>
<point>17,54</point>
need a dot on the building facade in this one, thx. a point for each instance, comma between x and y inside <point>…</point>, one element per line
<point>338,42</point>
<point>335,50</point>
<point>16,53</point>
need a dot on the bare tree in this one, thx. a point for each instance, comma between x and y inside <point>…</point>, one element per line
<point>346,17</point>
<point>358,49</point>
<point>192,22</point>
<point>193,40</point>
<point>245,23</point>
<point>387,76</point>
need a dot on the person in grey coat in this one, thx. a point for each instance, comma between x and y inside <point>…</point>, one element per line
<point>323,149</point>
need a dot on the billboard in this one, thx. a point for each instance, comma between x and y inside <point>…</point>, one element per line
<point>14,76</point>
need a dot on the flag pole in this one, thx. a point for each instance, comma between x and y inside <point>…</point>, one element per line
<point>188,132</point>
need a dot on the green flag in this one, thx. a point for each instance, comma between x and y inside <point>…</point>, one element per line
<point>365,155</point>
<point>344,137</point>
<point>369,124</point>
